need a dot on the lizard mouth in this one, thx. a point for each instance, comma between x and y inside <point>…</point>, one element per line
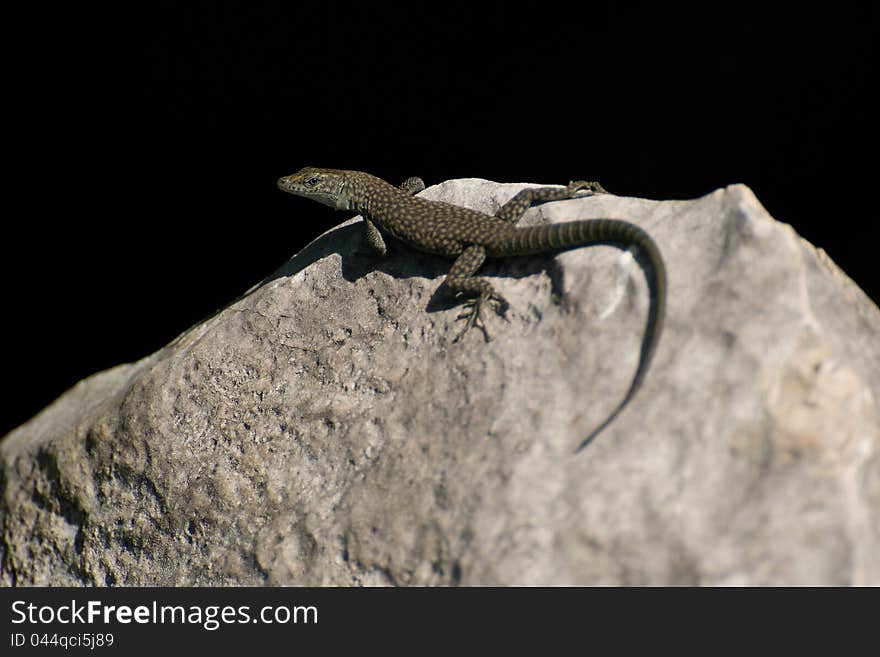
<point>286,184</point>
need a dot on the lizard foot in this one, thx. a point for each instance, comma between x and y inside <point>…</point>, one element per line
<point>473,313</point>
<point>582,185</point>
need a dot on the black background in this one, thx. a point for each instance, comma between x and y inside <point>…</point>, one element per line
<point>144,141</point>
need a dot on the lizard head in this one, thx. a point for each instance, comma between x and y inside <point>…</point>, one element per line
<point>327,186</point>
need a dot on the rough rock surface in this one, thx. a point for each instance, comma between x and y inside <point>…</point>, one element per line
<point>325,429</point>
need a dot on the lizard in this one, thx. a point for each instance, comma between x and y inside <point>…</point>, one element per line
<point>469,237</point>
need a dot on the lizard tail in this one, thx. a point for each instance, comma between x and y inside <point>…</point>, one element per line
<point>615,232</point>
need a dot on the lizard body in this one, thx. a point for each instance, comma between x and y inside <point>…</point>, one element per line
<point>470,237</point>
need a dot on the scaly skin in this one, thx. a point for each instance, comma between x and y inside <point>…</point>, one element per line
<point>470,237</point>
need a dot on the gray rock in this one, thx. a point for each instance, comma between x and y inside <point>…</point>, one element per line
<point>325,430</point>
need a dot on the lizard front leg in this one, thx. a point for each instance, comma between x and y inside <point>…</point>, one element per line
<point>461,279</point>
<point>413,185</point>
<point>514,209</point>
<point>374,238</point>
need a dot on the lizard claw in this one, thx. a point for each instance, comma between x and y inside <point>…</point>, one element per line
<point>474,310</point>
<point>582,185</point>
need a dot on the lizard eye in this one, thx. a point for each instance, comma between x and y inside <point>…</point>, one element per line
<point>311,182</point>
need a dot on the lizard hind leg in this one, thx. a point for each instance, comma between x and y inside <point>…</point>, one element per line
<point>461,280</point>
<point>474,314</point>
<point>515,208</point>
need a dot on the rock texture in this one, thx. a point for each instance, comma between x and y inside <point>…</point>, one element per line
<point>325,430</point>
